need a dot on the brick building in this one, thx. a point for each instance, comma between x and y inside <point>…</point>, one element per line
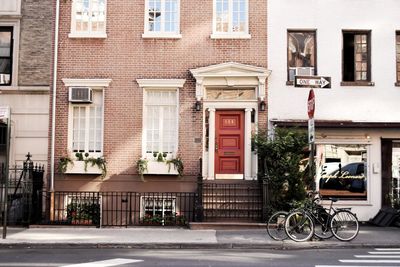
<point>150,82</point>
<point>25,64</point>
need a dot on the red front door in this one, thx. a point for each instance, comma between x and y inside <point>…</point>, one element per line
<point>229,153</point>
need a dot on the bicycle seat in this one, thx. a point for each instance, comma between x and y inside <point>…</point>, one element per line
<point>333,199</point>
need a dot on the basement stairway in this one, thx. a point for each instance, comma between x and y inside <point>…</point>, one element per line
<point>231,204</point>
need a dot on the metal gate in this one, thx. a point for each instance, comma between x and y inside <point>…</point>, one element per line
<point>21,193</point>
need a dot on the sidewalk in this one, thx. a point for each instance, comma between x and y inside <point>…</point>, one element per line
<point>156,238</point>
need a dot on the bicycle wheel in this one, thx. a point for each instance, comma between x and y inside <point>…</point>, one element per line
<point>276,225</point>
<point>344,225</point>
<point>299,226</point>
<point>322,226</point>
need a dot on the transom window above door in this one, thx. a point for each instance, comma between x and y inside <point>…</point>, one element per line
<point>219,94</point>
<point>88,19</point>
<point>231,19</point>
<point>162,19</point>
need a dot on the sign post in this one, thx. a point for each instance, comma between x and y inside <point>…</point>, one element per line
<point>311,134</point>
<point>5,118</point>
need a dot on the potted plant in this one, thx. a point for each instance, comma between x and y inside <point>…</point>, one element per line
<point>83,213</point>
<point>141,167</point>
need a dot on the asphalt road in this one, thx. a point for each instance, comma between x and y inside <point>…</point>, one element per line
<point>103,257</point>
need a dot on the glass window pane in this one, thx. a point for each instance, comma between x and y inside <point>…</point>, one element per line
<point>343,171</point>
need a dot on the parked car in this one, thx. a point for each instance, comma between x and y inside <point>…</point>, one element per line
<point>350,177</point>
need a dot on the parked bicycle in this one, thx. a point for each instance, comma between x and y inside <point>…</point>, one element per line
<point>302,224</point>
<point>276,223</point>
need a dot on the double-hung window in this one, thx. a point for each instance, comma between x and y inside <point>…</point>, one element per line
<point>301,54</point>
<point>88,18</point>
<point>161,121</point>
<point>6,53</point>
<point>87,126</point>
<point>162,19</point>
<point>231,19</point>
<point>356,58</point>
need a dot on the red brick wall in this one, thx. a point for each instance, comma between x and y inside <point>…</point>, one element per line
<point>125,56</point>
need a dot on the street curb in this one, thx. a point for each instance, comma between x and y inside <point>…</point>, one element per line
<point>276,246</point>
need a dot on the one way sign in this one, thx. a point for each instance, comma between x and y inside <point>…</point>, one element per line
<point>312,81</point>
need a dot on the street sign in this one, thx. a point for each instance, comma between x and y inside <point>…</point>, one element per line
<point>311,104</point>
<point>312,81</point>
<point>311,131</point>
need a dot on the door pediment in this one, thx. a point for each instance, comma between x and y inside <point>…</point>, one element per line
<point>230,74</point>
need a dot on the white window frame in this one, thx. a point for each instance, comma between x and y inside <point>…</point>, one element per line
<point>161,34</point>
<point>89,33</point>
<point>97,85</point>
<point>15,23</point>
<point>87,125</point>
<point>159,84</point>
<point>230,34</point>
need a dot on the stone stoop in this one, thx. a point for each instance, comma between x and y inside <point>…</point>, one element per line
<point>232,201</point>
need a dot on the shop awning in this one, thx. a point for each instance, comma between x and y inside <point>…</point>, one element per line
<point>335,124</point>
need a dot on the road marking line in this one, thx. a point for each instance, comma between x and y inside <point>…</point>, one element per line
<point>378,256</point>
<point>388,249</point>
<point>105,263</point>
<point>370,261</point>
<point>354,266</point>
<point>384,252</point>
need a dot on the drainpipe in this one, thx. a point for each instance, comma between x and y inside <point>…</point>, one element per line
<point>53,111</point>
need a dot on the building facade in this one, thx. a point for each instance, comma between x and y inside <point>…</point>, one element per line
<point>25,64</point>
<point>357,122</point>
<point>149,86</point>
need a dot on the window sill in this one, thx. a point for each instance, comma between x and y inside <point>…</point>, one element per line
<point>160,168</point>
<point>358,83</point>
<point>149,35</point>
<point>289,82</point>
<point>230,36</point>
<point>88,35</point>
<point>79,168</point>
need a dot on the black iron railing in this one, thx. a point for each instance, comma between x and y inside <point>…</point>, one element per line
<point>123,208</point>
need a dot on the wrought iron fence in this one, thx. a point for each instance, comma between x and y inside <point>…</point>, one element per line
<point>23,193</point>
<point>123,208</point>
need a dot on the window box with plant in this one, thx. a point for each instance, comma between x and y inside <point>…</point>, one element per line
<point>83,213</point>
<point>160,165</point>
<point>83,164</point>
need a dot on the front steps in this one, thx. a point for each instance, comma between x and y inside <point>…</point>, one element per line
<point>232,201</point>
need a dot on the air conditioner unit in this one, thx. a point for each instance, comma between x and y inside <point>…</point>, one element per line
<point>300,71</point>
<point>4,78</point>
<point>80,95</point>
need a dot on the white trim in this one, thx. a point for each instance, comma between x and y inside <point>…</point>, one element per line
<point>15,23</point>
<point>230,34</point>
<point>159,35</point>
<point>162,33</point>
<point>70,126</point>
<point>87,82</point>
<point>17,10</point>
<point>88,34</point>
<point>144,119</point>
<point>161,83</point>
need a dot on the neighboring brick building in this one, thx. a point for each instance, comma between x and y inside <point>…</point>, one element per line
<point>25,64</point>
<point>159,74</point>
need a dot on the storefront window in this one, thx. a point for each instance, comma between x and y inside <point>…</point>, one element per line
<point>342,171</point>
